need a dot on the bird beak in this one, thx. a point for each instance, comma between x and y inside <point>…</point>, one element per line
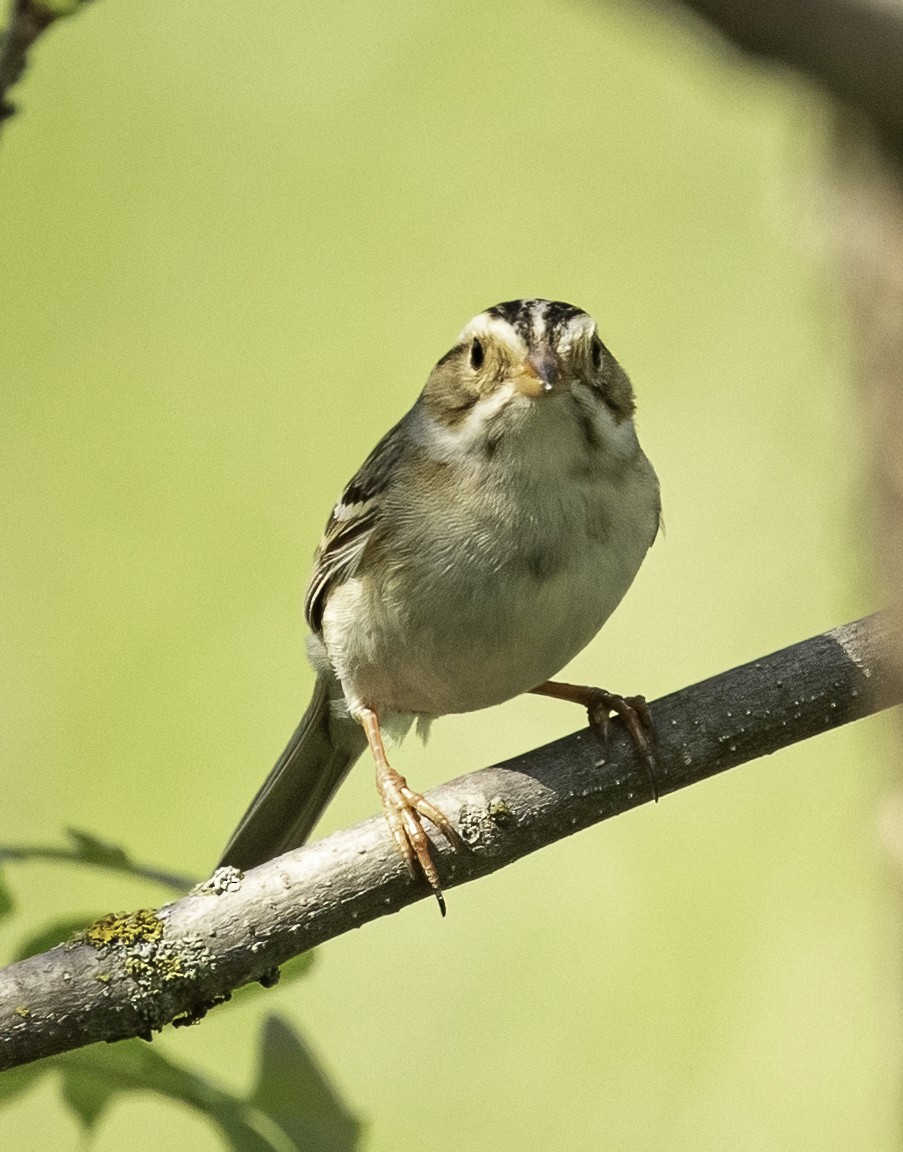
<point>538,375</point>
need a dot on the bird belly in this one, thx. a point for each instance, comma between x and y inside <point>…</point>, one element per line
<point>516,636</point>
<point>433,638</point>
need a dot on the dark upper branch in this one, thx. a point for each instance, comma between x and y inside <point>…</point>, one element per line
<point>25,24</point>
<point>27,21</point>
<point>853,47</point>
<point>142,971</point>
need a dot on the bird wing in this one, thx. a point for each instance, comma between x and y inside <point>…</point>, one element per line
<point>352,524</point>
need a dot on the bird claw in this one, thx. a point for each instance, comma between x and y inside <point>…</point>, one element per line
<point>599,705</point>
<point>635,715</point>
<point>403,810</point>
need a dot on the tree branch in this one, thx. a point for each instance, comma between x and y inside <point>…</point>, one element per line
<point>853,47</point>
<point>27,21</point>
<point>25,24</point>
<point>132,974</point>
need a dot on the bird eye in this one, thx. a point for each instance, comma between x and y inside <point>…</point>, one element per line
<point>597,353</point>
<point>477,355</point>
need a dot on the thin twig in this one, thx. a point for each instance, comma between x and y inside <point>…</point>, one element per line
<point>135,974</point>
<point>22,853</point>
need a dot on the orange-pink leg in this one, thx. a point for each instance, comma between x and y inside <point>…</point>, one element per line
<point>403,809</point>
<point>599,706</point>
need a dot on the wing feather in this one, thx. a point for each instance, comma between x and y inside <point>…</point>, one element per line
<point>351,526</point>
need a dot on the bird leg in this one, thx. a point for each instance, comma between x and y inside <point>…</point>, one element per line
<point>403,809</point>
<point>599,705</point>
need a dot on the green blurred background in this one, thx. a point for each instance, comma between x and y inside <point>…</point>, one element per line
<point>233,240</point>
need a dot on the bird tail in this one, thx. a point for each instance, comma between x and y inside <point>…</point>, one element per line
<point>292,798</point>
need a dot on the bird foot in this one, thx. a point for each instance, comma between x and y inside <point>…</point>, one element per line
<point>599,705</point>
<point>403,810</point>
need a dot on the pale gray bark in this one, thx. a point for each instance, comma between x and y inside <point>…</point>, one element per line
<point>177,962</point>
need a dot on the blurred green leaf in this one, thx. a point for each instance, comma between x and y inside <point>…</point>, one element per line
<point>18,1080</point>
<point>293,1090</point>
<point>87,1094</point>
<point>50,935</point>
<point>92,850</point>
<point>6,901</point>
<point>93,1076</point>
<point>60,8</point>
<point>292,1107</point>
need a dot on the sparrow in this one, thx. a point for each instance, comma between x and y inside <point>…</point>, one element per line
<point>481,545</point>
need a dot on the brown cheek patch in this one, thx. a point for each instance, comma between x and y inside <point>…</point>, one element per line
<point>452,410</point>
<point>443,396</point>
<point>618,393</point>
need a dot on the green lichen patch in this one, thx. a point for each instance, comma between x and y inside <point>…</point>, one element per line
<point>481,820</point>
<point>167,960</point>
<point>499,811</point>
<point>125,928</point>
<point>136,945</point>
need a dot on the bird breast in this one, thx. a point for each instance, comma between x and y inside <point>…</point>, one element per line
<point>473,595</point>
